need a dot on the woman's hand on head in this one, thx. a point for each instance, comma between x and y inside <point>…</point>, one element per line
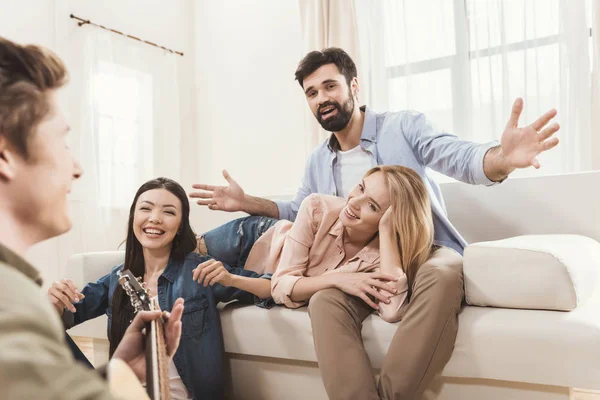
<point>371,287</point>
<point>210,272</point>
<point>62,294</point>
<point>385,223</point>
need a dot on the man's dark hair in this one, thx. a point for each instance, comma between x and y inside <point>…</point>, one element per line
<point>27,75</point>
<point>331,55</point>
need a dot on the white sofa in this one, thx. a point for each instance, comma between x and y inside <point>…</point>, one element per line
<point>500,353</point>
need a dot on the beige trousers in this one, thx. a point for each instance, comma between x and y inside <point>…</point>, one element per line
<point>419,350</point>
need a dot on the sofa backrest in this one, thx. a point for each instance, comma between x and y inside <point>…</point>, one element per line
<point>521,206</point>
<point>89,267</point>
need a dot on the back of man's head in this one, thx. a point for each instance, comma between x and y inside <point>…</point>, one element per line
<point>27,75</point>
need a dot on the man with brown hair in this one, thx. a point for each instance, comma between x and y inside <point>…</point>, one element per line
<point>37,170</point>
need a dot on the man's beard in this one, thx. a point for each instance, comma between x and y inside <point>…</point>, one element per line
<point>340,121</point>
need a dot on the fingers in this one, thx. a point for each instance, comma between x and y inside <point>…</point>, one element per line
<point>517,108</point>
<point>369,302</point>
<point>549,144</point>
<point>207,196</point>
<point>61,299</point>
<point>202,270</point>
<point>382,285</point>
<point>209,272</point>
<point>545,146</point>
<point>202,186</point>
<point>196,272</point>
<point>173,335</point>
<point>202,195</point>
<point>228,177</point>
<point>207,263</point>
<point>173,327</point>
<point>206,202</point>
<point>65,294</point>
<point>67,289</point>
<point>543,120</point>
<point>549,131</point>
<point>210,204</point>
<point>140,320</point>
<point>377,295</point>
<point>177,310</point>
<point>388,294</point>
<point>70,284</point>
<point>218,278</point>
<point>383,276</point>
<point>215,271</point>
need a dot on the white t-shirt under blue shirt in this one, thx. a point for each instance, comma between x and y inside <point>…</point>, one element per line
<point>350,167</point>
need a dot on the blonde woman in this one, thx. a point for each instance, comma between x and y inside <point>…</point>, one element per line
<point>369,245</point>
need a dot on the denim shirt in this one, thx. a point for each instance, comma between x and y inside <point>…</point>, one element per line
<point>403,138</point>
<point>199,359</point>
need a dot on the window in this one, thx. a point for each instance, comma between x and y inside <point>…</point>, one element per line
<point>123,122</point>
<point>463,62</point>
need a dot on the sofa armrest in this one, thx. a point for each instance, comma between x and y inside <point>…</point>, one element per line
<point>548,272</point>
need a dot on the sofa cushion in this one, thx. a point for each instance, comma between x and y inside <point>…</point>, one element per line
<point>543,347</point>
<point>544,272</point>
<point>83,268</point>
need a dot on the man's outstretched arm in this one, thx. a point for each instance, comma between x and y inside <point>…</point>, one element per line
<point>485,163</point>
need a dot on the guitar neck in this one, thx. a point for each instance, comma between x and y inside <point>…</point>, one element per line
<point>157,374</point>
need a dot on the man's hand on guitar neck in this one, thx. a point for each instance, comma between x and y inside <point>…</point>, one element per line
<point>131,348</point>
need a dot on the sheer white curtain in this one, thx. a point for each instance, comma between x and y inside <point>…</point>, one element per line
<point>463,62</point>
<point>124,106</point>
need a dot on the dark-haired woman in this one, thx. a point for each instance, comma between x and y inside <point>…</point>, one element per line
<point>159,248</point>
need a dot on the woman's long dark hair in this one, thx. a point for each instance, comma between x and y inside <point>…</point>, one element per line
<point>184,243</point>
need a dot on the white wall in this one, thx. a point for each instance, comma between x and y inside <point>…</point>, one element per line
<point>240,106</point>
<point>47,22</point>
<point>249,108</point>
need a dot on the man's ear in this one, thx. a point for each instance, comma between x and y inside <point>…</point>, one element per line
<point>354,86</point>
<point>7,160</point>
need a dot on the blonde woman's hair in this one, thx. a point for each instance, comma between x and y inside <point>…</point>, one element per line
<point>412,219</point>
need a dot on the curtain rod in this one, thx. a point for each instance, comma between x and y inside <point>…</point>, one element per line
<point>87,21</point>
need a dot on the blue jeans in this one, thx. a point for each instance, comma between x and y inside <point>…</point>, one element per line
<point>231,243</point>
